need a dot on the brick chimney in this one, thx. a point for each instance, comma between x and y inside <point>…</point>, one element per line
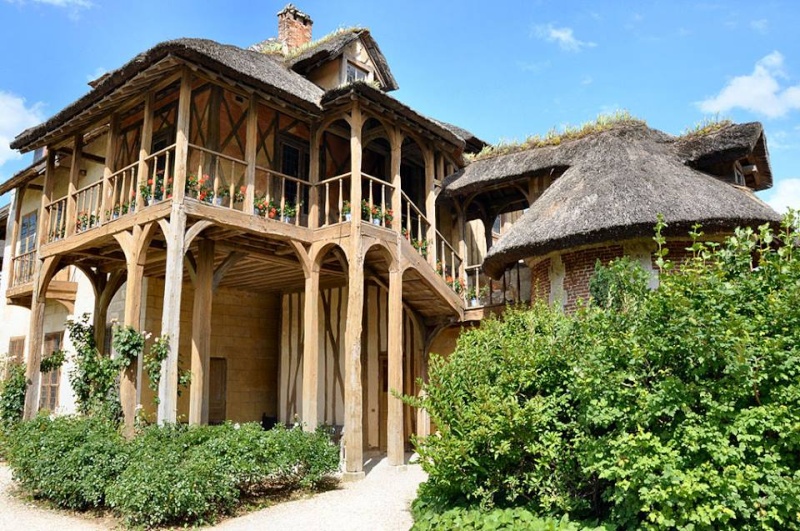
<point>294,27</point>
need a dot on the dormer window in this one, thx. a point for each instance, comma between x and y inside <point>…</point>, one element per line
<point>355,73</point>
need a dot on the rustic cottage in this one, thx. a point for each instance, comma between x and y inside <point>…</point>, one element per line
<point>304,240</point>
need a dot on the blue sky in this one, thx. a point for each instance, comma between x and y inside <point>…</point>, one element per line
<point>504,70</point>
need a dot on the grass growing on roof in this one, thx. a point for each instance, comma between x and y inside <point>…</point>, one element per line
<point>709,124</point>
<point>555,137</point>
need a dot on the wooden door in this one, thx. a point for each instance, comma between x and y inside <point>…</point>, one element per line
<point>217,390</point>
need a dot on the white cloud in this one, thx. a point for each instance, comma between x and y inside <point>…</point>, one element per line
<point>79,4</point>
<point>15,116</point>
<point>564,37</point>
<point>759,92</point>
<point>761,25</point>
<point>587,80</point>
<point>537,67</point>
<point>785,195</point>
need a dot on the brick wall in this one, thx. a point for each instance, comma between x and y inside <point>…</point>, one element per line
<point>540,280</point>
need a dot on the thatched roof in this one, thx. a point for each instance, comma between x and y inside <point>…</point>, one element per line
<point>260,70</point>
<point>333,45</point>
<point>613,186</point>
<point>370,93</point>
<point>473,143</point>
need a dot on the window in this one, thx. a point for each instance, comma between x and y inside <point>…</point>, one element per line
<point>16,349</point>
<point>294,163</point>
<point>27,233</point>
<point>48,397</point>
<point>355,73</point>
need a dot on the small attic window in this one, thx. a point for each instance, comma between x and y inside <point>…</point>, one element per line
<point>355,73</point>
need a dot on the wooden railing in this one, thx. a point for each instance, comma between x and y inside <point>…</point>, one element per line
<point>24,267</point>
<point>415,227</point>
<point>281,197</point>
<point>122,192</point>
<point>88,205</point>
<point>376,205</point>
<point>160,171</point>
<point>448,264</point>
<point>334,199</point>
<point>216,178</point>
<point>56,219</point>
<point>482,291</point>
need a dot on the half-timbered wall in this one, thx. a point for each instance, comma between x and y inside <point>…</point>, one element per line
<point>331,322</point>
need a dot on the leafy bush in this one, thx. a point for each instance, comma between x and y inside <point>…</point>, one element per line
<point>12,395</point>
<point>677,409</point>
<point>179,474</point>
<point>70,461</point>
<point>517,518</point>
<point>172,474</point>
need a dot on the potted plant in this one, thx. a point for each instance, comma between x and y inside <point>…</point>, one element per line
<point>421,245</point>
<point>220,195</point>
<point>366,211</point>
<point>457,284</point>
<point>289,211</point>
<point>154,190</point>
<point>238,197</point>
<point>475,296</point>
<point>376,214</point>
<point>388,217</point>
<point>347,210</point>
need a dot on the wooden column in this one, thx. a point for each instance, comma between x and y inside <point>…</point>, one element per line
<point>171,317</point>
<point>100,313</point>
<point>394,429</point>
<point>313,178</point>
<point>201,333</point>
<point>133,306</point>
<point>19,195</point>
<point>311,351</point>
<point>182,137</point>
<point>461,227</point>
<point>430,205</point>
<point>250,154</point>
<point>397,193</point>
<point>111,150</point>
<point>488,224</point>
<point>353,428</point>
<point>74,175</point>
<point>142,172</point>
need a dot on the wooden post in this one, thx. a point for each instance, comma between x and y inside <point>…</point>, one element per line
<point>74,175</point>
<point>133,305</point>
<point>353,428</point>
<point>310,351</point>
<point>461,226</point>
<point>394,426</point>
<point>182,139</point>
<point>250,155</point>
<point>111,150</point>
<point>430,206</point>
<point>397,193</point>
<point>201,333</point>
<point>19,195</point>
<point>488,228</point>
<point>144,149</point>
<point>313,178</point>
<point>36,328</point>
<point>100,313</point>
<point>171,317</point>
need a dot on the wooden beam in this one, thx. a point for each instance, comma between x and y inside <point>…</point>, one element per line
<point>182,136</point>
<point>171,317</point>
<point>251,153</point>
<point>111,149</point>
<point>74,176</point>
<point>395,440</point>
<point>311,351</point>
<point>144,149</point>
<point>201,334</point>
<point>224,267</point>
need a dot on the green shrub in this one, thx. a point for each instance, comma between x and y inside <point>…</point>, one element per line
<point>676,408</point>
<point>12,396</point>
<point>68,460</point>
<point>517,518</point>
<point>188,475</point>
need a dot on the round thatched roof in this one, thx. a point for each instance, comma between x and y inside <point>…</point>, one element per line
<point>615,184</point>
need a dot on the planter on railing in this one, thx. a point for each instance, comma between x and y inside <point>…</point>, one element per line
<point>216,178</point>
<point>334,199</point>
<point>24,268</point>
<point>122,194</point>
<point>160,172</point>
<point>281,197</point>
<point>88,205</point>
<point>415,227</point>
<point>483,291</point>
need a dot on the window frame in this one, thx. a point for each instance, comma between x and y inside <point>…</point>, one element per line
<point>50,381</point>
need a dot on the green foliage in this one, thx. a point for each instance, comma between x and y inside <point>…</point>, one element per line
<point>709,124</point>
<point>517,518</point>
<point>682,414</point>
<point>128,343</point>
<point>173,474</point>
<point>620,285</point>
<point>12,395</point>
<point>152,362</point>
<point>68,460</point>
<point>53,361</point>
<point>94,377</point>
<point>180,474</point>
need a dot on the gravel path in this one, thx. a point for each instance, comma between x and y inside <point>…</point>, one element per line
<point>380,502</point>
<point>16,513</point>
